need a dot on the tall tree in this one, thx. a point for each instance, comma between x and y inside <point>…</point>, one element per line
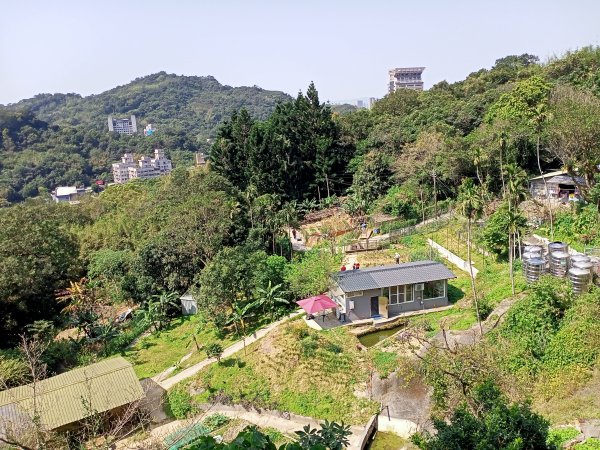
<point>228,154</point>
<point>471,206</point>
<point>38,256</point>
<point>574,130</point>
<point>515,190</point>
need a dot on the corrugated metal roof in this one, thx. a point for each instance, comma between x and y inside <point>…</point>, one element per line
<point>392,275</point>
<point>566,179</point>
<point>550,174</point>
<point>62,399</point>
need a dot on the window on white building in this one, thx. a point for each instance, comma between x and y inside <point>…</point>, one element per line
<point>434,289</point>
<point>398,294</point>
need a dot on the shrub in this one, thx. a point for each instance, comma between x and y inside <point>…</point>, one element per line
<point>309,346</point>
<point>589,444</point>
<point>13,370</point>
<point>298,331</point>
<point>532,322</point>
<point>180,403</point>
<point>485,308</point>
<point>214,350</point>
<point>557,437</point>
<point>495,424</point>
<point>215,421</point>
<point>333,348</point>
<point>577,342</point>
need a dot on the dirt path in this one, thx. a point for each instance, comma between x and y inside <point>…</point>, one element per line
<point>229,351</point>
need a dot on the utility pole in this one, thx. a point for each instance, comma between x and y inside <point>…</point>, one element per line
<point>422,204</point>
<point>434,175</point>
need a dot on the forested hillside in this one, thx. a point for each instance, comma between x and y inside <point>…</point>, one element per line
<point>222,233</point>
<point>63,139</point>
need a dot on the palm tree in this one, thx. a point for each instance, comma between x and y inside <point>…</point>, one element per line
<point>82,306</point>
<point>514,192</point>
<point>238,317</point>
<point>158,309</point>
<point>471,206</point>
<point>251,193</point>
<point>78,297</point>
<point>269,298</point>
<point>289,218</point>
<point>538,120</point>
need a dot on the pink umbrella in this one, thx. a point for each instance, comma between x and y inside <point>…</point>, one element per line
<point>316,304</point>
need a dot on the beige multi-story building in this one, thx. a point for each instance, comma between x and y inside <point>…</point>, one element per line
<point>145,167</point>
<point>406,78</point>
<point>120,170</point>
<point>160,162</point>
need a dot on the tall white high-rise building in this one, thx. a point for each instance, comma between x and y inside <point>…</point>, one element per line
<point>406,78</point>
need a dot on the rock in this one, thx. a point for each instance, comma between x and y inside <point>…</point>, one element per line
<point>590,428</point>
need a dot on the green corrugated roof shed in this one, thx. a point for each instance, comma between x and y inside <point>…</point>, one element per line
<point>62,399</point>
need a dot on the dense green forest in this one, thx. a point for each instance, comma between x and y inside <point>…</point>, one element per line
<point>221,231</point>
<point>63,139</point>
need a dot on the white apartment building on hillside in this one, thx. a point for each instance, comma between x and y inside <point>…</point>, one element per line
<point>122,126</point>
<point>145,167</point>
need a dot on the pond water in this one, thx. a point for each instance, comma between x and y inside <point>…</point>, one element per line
<point>370,339</point>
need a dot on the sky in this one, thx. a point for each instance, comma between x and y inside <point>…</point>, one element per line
<point>345,46</point>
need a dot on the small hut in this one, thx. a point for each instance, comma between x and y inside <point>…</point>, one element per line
<point>189,306</point>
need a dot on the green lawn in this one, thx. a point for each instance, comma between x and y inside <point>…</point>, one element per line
<point>154,353</point>
<point>454,319</point>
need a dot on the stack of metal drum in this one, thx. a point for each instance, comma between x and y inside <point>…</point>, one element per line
<point>533,263</point>
<point>581,273</point>
<point>579,269</point>
<point>559,263</point>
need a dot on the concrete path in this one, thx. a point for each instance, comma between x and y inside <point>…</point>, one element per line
<point>276,419</point>
<point>288,425</point>
<point>229,351</point>
<point>454,259</point>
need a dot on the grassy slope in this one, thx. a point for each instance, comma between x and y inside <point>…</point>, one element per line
<point>299,370</point>
<point>154,353</point>
<point>493,280</point>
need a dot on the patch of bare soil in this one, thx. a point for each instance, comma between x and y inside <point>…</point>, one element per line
<point>406,395</point>
<point>330,222</point>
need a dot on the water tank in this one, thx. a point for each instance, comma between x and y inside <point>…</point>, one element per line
<point>586,265</point>
<point>533,248</point>
<point>558,246</point>
<point>580,280</point>
<point>536,267</point>
<point>579,258</point>
<point>559,263</point>
<point>595,260</point>
<point>527,256</point>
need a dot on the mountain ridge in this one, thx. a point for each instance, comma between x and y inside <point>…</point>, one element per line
<point>154,98</point>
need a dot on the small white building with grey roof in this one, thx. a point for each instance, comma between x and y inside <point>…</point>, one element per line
<point>386,291</point>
